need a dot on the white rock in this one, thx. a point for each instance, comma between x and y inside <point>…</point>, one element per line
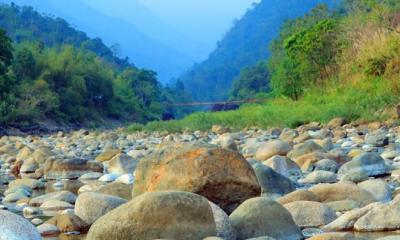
<point>126,178</point>
<point>48,229</point>
<point>111,177</point>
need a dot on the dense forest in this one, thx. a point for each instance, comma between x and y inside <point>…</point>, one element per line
<point>243,46</point>
<point>331,62</point>
<point>50,71</point>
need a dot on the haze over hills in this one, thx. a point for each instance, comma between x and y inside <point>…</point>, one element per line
<point>146,31</point>
<point>244,45</point>
<point>142,50</point>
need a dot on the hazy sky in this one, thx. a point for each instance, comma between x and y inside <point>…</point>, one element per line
<point>206,20</point>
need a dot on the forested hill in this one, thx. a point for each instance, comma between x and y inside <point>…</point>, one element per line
<point>26,24</point>
<point>142,49</point>
<point>244,45</point>
<point>51,72</point>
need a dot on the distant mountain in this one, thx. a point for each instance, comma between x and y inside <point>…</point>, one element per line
<point>244,45</point>
<point>142,50</point>
<point>150,24</point>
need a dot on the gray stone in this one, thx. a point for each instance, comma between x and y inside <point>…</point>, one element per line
<point>369,163</point>
<point>259,217</point>
<point>14,227</point>
<point>91,206</point>
<point>308,214</point>
<point>378,188</point>
<point>157,215</point>
<point>272,182</point>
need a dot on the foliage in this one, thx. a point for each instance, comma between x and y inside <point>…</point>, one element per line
<point>242,46</point>
<point>252,80</point>
<point>52,71</point>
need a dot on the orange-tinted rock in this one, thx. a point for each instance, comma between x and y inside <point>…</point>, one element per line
<point>222,176</point>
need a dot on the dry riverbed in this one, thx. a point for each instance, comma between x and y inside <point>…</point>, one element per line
<point>339,181</point>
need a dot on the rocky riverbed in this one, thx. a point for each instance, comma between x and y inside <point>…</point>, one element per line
<point>334,181</point>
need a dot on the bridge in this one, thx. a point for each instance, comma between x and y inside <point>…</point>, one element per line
<point>235,102</point>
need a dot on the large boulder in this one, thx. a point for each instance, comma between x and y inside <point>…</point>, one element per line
<point>307,214</point>
<point>157,215</point>
<point>69,168</point>
<point>258,217</point>
<point>342,191</point>
<point>269,149</point>
<point>14,227</point>
<point>272,183</point>
<point>370,164</point>
<point>91,206</point>
<point>222,176</point>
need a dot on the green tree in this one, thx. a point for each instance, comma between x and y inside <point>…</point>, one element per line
<point>252,80</point>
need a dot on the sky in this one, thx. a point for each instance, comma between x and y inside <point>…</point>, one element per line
<point>203,21</point>
<point>206,20</point>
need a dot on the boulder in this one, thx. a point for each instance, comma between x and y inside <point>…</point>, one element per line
<point>107,155</point>
<point>14,227</point>
<point>378,188</point>
<point>69,222</point>
<point>69,168</point>
<point>223,224</point>
<point>369,163</point>
<point>46,229</point>
<point>304,148</point>
<point>343,205</point>
<point>31,183</point>
<point>342,191</point>
<point>336,122</point>
<point>55,205</point>
<point>157,215</point>
<point>346,221</point>
<point>380,218</point>
<point>377,138</point>
<point>307,214</point>
<point>64,196</point>
<point>335,236</point>
<point>298,195</point>
<point>259,217</point>
<point>222,176</point>
<point>91,206</point>
<point>41,154</point>
<point>319,176</point>
<point>122,164</point>
<point>117,189</point>
<point>326,165</point>
<point>284,166</point>
<point>269,149</point>
<point>272,182</point>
